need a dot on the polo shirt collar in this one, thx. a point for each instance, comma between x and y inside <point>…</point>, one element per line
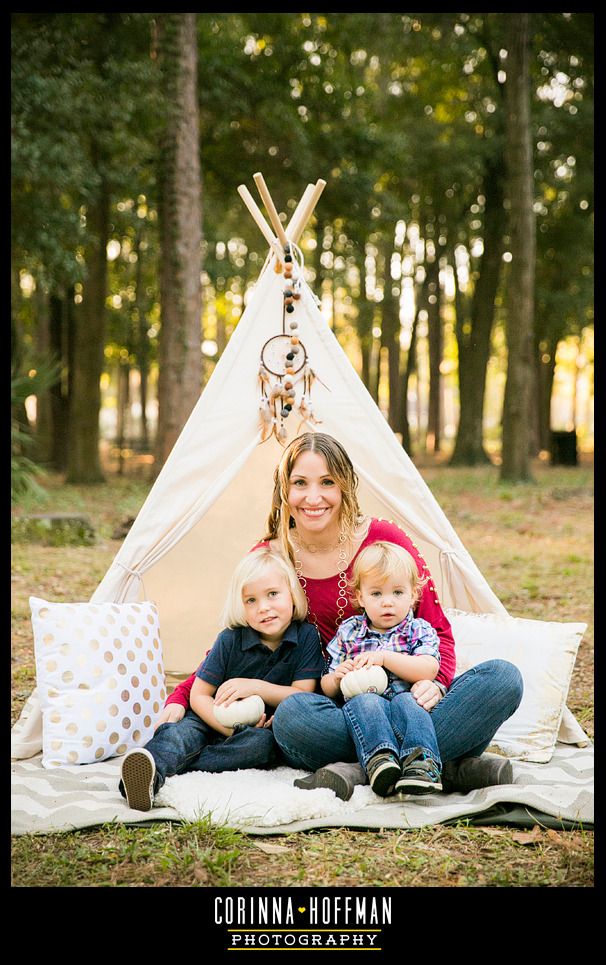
<point>251,638</point>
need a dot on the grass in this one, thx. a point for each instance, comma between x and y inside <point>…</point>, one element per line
<point>534,545</point>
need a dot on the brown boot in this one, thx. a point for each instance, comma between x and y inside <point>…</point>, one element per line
<point>471,773</point>
<point>340,778</point>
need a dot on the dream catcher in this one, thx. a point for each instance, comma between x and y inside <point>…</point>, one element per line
<point>285,376</point>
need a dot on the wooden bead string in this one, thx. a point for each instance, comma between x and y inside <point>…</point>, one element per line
<point>278,399</point>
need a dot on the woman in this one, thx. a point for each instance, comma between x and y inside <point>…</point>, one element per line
<point>315,521</point>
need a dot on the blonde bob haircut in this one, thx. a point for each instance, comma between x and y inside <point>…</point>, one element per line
<point>381,560</point>
<point>254,565</point>
<point>340,468</point>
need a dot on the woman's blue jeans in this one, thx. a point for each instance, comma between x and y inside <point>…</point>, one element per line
<point>394,723</point>
<point>311,730</point>
<point>191,745</point>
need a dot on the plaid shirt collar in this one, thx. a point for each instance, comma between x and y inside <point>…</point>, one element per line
<point>366,629</point>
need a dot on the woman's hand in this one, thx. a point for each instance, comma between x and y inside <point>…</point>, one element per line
<point>426,693</point>
<point>171,714</point>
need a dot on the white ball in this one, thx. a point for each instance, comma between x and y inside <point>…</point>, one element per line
<point>249,710</point>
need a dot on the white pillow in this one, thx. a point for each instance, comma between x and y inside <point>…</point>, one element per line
<point>544,652</point>
<point>100,678</point>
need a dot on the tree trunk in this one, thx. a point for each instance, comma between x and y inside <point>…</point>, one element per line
<point>44,415</point>
<point>83,465</point>
<point>366,311</point>
<point>517,408</point>
<point>474,347</point>
<point>122,412</point>
<point>364,323</point>
<point>435,343</point>
<point>180,212</point>
<point>409,368</point>
<point>141,339</point>
<point>56,453</point>
<point>545,375</point>
<point>391,340</point>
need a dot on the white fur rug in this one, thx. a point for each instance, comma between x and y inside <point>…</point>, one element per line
<point>252,797</point>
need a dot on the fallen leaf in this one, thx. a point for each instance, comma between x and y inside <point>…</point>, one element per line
<point>271,848</point>
<point>528,837</point>
<point>560,840</point>
<point>201,874</point>
<point>495,832</point>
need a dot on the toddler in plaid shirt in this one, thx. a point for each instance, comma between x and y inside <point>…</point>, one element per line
<point>394,737</point>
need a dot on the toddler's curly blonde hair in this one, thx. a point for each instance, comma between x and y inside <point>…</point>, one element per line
<point>383,559</point>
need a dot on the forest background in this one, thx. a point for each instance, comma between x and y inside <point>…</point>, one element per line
<point>451,249</point>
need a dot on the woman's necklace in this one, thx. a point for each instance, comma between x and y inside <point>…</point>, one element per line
<point>342,599</point>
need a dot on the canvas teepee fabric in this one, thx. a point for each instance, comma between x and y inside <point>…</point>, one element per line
<point>209,503</point>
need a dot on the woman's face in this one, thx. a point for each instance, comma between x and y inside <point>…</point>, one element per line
<point>314,497</point>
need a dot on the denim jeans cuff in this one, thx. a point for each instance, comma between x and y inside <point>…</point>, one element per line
<point>427,755</point>
<point>380,749</point>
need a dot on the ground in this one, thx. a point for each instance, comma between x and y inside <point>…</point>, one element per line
<point>534,545</point>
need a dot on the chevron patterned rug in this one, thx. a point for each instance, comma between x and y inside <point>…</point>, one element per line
<point>559,794</point>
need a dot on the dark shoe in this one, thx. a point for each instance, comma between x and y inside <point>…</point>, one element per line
<point>383,771</point>
<point>138,773</point>
<point>471,773</point>
<point>422,776</point>
<point>339,777</point>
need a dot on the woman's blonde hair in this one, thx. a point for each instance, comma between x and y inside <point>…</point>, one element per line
<point>254,565</point>
<point>340,468</point>
<point>382,559</point>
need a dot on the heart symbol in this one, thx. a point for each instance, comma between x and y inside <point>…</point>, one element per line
<point>301,910</point>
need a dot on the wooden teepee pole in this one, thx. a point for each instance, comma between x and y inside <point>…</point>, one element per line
<point>255,211</point>
<point>292,225</point>
<point>307,212</point>
<point>271,208</point>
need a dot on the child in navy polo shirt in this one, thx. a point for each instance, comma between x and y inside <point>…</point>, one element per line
<point>267,649</point>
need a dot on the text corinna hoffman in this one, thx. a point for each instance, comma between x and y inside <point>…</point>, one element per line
<point>303,911</point>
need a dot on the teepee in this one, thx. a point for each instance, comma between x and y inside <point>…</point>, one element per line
<point>210,501</point>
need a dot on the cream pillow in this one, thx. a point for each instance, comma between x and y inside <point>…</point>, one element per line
<point>544,652</point>
<point>100,678</point>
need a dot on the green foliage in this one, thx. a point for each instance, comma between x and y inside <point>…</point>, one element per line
<point>402,114</point>
<point>24,470</point>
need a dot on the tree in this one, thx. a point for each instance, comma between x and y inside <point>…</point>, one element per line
<point>83,129</point>
<point>473,330</point>
<point>180,214</point>
<point>519,396</point>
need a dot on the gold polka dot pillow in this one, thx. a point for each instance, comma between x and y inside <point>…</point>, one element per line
<point>100,678</point>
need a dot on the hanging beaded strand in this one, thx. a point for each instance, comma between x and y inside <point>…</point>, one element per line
<point>291,294</point>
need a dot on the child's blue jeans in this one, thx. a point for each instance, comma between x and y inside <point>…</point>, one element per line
<point>191,745</point>
<point>393,721</point>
